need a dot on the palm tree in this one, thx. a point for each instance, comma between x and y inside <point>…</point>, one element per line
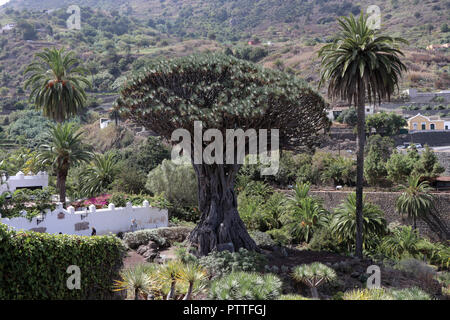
<point>63,149</point>
<point>56,82</point>
<point>343,223</point>
<point>100,174</point>
<point>416,199</point>
<point>361,66</point>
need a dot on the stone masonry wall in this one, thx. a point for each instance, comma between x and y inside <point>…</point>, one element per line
<point>386,201</point>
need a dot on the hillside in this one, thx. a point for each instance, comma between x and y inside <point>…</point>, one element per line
<point>118,36</point>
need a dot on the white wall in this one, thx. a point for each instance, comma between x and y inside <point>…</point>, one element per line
<point>103,220</point>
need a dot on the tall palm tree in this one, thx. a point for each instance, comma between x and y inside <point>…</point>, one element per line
<point>57,83</point>
<point>361,66</point>
<point>100,174</point>
<point>63,149</point>
<point>416,200</point>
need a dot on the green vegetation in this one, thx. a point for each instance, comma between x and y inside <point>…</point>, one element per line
<point>23,254</point>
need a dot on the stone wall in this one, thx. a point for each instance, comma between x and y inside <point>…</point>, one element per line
<point>386,201</point>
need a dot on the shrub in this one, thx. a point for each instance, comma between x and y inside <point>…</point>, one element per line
<point>292,297</point>
<point>367,294</point>
<point>281,236</point>
<point>143,237</point>
<point>246,286</point>
<point>162,236</point>
<point>220,263</point>
<point>261,239</point>
<point>409,294</point>
<point>176,181</point>
<point>401,243</point>
<point>33,265</point>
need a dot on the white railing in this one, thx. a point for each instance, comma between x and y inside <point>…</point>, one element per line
<point>110,220</point>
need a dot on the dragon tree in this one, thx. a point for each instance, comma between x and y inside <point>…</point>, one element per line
<point>223,93</point>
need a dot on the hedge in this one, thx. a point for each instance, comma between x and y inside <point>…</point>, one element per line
<point>164,237</point>
<point>34,265</point>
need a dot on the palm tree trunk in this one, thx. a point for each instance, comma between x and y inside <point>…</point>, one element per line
<point>414,223</point>
<point>360,169</point>
<point>61,185</point>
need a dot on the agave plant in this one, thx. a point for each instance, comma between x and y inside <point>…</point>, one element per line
<point>193,275</point>
<point>313,275</point>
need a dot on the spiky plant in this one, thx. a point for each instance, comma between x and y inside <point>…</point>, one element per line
<point>416,200</point>
<point>100,174</point>
<point>344,222</point>
<point>313,275</point>
<point>57,82</point>
<point>246,286</point>
<point>138,281</point>
<point>170,272</point>
<point>303,217</point>
<point>401,243</point>
<point>193,275</point>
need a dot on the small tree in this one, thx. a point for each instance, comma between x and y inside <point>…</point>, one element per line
<point>63,149</point>
<point>313,275</point>
<point>223,93</point>
<point>416,199</point>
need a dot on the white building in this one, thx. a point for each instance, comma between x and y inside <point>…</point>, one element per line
<point>20,180</point>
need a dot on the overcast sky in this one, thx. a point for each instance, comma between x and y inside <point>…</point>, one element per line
<point>2,2</point>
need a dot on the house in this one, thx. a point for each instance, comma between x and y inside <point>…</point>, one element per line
<point>20,180</point>
<point>424,123</point>
<point>334,113</point>
<point>441,183</point>
<point>104,122</point>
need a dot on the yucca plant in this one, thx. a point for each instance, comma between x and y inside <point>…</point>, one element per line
<point>361,66</point>
<point>170,272</point>
<point>138,281</point>
<point>416,200</point>
<point>246,286</point>
<point>344,222</point>
<point>313,275</point>
<point>193,275</point>
<point>57,82</point>
<point>413,293</point>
